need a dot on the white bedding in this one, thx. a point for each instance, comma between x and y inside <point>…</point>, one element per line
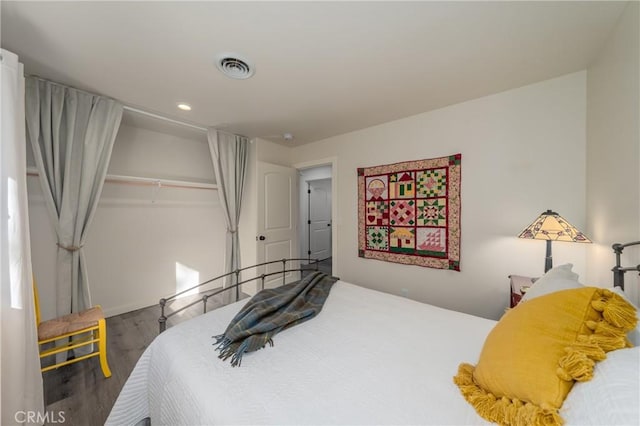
<point>367,358</point>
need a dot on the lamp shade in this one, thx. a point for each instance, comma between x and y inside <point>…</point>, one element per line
<point>553,227</point>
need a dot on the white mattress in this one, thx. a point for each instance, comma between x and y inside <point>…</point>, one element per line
<point>367,358</point>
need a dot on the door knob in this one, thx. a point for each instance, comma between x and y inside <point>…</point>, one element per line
<point>262,238</point>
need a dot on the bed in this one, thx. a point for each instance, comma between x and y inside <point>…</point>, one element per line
<point>367,358</point>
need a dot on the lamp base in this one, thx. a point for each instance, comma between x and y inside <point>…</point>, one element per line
<point>548,261</point>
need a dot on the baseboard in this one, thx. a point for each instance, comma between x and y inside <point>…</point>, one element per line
<point>123,309</point>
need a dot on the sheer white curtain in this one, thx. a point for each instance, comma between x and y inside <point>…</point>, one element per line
<point>229,154</point>
<point>21,390</point>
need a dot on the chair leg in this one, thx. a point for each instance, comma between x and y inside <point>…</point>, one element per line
<point>102,348</point>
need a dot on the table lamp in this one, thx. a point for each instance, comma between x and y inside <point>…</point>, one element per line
<point>550,226</point>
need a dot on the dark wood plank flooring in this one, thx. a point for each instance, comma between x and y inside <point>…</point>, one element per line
<point>323,266</point>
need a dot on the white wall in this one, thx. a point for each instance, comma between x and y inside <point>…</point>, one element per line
<point>142,152</point>
<point>523,152</point>
<point>273,153</point>
<point>613,150</point>
<point>143,244</point>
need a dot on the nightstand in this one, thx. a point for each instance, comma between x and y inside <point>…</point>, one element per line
<point>519,286</point>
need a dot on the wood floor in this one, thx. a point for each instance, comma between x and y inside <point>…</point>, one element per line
<point>323,266</point>
<point>80,390</point>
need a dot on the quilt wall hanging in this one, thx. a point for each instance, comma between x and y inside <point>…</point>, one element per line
<point>410,212</point>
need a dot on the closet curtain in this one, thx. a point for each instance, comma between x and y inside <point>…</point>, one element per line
<point>229,154</point>
<point>19,360</point>
<point>72,134</point>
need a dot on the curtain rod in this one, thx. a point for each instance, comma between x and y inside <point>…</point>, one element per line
<point>174,121</point>
<point>141,111</point>
<point>162,117</point>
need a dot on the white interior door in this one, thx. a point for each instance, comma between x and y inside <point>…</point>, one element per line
<point>320,218</point>
<point>277,221</point>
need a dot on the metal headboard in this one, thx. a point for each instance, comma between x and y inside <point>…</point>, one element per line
<point>618,270</point>
<point>313,265</point>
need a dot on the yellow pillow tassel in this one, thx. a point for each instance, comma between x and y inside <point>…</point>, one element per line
<point>591,350</point>
<point>511,411</point>
<point>576,365</point>
<point>604,328</point>
<point>544,416</point>
<point>616,310</point>
<point>607,343</point>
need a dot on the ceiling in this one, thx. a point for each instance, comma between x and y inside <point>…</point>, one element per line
<point>321,68</point>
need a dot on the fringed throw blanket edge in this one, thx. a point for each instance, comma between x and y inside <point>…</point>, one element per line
<point>257,322</point>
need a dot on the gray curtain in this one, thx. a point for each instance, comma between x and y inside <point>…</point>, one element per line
<point>72,134</point>
<point>229,154</point>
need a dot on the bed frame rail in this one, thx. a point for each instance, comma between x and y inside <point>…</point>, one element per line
<point>312,265</point>
<point>619,270</point>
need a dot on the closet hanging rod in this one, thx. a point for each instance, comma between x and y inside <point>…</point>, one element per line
<point>144,181</point>
<point>162,117</point>
<point>174,121</point>
<point>164,183</point>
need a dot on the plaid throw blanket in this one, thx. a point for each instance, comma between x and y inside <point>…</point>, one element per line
<point>271,311</point>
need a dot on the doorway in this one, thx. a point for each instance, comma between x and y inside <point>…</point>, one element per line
<point>316,225</point>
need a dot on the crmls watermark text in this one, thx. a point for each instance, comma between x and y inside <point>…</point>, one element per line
<point>40,418</point>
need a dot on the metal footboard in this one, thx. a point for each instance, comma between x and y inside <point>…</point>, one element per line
<point>312,265</point>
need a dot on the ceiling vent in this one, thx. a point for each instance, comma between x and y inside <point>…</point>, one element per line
<point>234,66</point>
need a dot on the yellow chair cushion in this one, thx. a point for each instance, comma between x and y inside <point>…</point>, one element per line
<point>70,323</point>
<point>536,352</point>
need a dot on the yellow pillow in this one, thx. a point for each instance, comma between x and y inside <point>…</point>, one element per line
<point>536,352</point>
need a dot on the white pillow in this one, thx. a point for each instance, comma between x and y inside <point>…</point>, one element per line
<point>611,397</point>
<point>556,279</point>
<point>633,335</point>
<point>620,292</point>
<point>562,271</point>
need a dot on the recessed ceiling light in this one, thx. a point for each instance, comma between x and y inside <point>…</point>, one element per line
<point>234,66</point>
<point>288,137</point>
<point>183,106</point>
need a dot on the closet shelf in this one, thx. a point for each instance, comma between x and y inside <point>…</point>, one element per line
<point>146,181</point>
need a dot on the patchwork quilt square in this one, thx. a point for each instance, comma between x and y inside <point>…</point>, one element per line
<point>431,183</point>
<point>402,212</point>
<point>377,213</point>
<point>402,240</point>
<point>377,188</point>
<point>377,238</point>
<point>432,212</point>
